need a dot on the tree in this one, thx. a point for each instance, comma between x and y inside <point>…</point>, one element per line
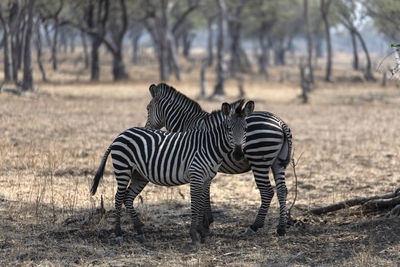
<point>386,17</point>
<point>38,44</point>
<point>221,68</point>
<point>235,25</point>
<point>264,19</point>
<point>49,11</point>
<point>347,15</point>
<point>27,81</point>
<point>158,22</point>
<point>6,23</point>
<point>309,42</point>
<point>10,19</point>
<point>135,32</point>
<point>324,7</point>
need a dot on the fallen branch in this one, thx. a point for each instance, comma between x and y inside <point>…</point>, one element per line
<point>378,204</point>
<point>382,201</point>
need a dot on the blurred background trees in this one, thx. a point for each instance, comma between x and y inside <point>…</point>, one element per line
<point>234,37</point>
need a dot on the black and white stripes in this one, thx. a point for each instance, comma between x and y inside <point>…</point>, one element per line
<point>268,145</point>
<point>142,155</point>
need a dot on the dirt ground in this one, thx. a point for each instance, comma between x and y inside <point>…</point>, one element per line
<point>51,146</point>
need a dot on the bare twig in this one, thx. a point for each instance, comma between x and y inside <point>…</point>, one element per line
<point>294,164</point>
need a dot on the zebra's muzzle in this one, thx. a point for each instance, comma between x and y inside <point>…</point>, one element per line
<point>238,153</point>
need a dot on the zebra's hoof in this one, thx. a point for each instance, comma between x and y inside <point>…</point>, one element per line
<point>249,232</point>
<point>141,238</point>
<point>281,231</point>
<point>119,239</point>
<point>194,246</point>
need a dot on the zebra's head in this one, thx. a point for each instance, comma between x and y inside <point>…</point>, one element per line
<point>155,116</point>
<point>235,124</point>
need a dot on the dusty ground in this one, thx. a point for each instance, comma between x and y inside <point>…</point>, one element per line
<point>51,146</point>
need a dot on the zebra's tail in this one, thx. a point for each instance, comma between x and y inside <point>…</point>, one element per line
<point>287,145</point>
<point>100,172</point>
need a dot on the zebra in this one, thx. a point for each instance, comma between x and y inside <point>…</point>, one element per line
<point>268,146</point>
<point>141,155</point>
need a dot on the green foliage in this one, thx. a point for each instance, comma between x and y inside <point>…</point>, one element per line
<point>386,16</point>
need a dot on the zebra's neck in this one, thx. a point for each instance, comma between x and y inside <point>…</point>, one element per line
<point>182,116</point>
<point>216,136</point>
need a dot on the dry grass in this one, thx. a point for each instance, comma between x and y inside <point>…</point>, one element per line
<point>51,147</point>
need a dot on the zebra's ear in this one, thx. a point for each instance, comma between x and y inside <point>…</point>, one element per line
<point>248,109</point>
<point>226,109</point>
<point>153,90</point>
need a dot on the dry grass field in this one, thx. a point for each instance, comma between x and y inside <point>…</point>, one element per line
<point>51,146</point>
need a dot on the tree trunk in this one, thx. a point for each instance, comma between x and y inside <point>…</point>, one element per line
<point>135,47</point>
<point>309,42</point>
<point>234,29</point>
<point>19,45</point>
<point>72,42</point>
<point>221,68</point>
<point>85,50</point>
<point>318,45</point>
<point>27,82</point>
<point>54,45</point>
<point>39,52</point>
<point>279,54</point>
<point>187,40</point>
<point>173,56</point>
<point>119,72</point>
<point>355,52</point>
<point>368,72</point>
<point>8,69</point>
<point>210,43</point>
<point>63,40</point>
<point>325,5</point>
<point>203,84</point>
<point>95,68</point>
<point>47,34</point>
<point>263,58</point>
<point>163,61</point>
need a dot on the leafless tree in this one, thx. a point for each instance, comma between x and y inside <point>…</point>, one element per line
<point>324,7</point>
<point>309,42</point>
<point>158,22</point>
<point>27,81</point>
<point>221,67</point>
<point>39,46</point>
<point>10,24</point>
<point>47,13</point>
<point>347,16</point>
<point>238,58</point>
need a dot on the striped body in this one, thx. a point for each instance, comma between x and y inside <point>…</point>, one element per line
<point>163,158</point>
<point>268,145</point>
<point>142,155</point>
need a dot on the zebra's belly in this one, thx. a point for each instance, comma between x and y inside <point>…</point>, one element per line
<point>166,177</point>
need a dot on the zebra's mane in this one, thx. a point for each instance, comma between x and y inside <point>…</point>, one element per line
<point>171,92</point>
<point>213,114</point>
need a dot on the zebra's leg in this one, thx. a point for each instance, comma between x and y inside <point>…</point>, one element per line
<point>135,187</point>
<point>279,175</point>
<point>122,181</point>
<point>261,176</point>
<point>208,217</point>
<point>205,211</point>
<point>196,195</point>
